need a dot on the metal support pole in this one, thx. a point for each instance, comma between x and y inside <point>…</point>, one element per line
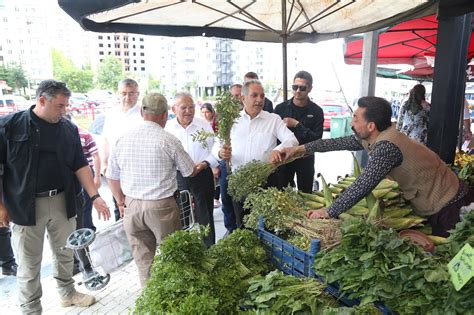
<point>284,40</point>
<point>447,98</point>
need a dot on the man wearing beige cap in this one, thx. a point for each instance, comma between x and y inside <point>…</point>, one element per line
<point>142,177</point>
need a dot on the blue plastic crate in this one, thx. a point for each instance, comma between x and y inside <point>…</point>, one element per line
<point>286,257</point>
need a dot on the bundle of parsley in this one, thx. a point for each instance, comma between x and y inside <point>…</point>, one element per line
<point>187,278</point>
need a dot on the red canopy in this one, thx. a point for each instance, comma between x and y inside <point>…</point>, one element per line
<point>411,42</point>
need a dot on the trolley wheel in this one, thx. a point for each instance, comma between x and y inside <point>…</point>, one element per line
<point>80,239</point>
<point>97,282</point>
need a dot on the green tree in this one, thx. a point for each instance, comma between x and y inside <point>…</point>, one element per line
<point>109,73</point>
<point>154,85</point>
<point>78,80</point>
<point>17,77</point>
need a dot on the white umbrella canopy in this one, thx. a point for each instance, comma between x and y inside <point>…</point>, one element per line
<point>286,21</point>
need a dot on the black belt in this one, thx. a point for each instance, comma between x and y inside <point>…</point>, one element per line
<point>49,193</point>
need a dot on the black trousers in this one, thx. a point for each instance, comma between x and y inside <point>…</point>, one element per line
<point>6,252</point>
<point>304,170</point>
<point>201,188</point>
<point>240,211</point>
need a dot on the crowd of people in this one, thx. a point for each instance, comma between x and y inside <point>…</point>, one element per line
<point>51,170</point>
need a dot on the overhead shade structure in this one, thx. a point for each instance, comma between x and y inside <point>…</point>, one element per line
<point>411,42</point>
<point>282,21</point>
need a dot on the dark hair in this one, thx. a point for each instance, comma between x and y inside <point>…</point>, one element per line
<point>52,88</point>
<point>377,110</point>
<point>417,95</point>
<point>251,75</point>
<point>209,107</point>
<point>305,75</point>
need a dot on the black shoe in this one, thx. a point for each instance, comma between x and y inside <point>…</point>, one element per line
<point>9,270</point>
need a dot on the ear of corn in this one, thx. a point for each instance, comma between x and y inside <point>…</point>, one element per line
<point>375,212</point>
<point>358,211</point>
<point>357,169</point>
<point>402,223</point>
<point>313,205</point>
<point>346,216</point>
<point>327,193</point>
<point>397,213</point>
<point>387,183</point>
<point>438,240</point>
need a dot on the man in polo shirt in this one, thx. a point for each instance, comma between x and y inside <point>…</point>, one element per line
<point>142,177</point>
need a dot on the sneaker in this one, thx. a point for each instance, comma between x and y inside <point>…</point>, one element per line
<point>78,299</point>
<point>9,270</point>
<point>217,203</point>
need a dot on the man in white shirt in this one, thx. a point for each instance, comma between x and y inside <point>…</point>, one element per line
<point>119,120</point>
<point>254,137</point>
<point>201,185</point>
<point>142,177</point>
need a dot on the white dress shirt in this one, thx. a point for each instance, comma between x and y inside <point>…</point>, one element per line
<point>255,139</point>
<point>118,123</point>
<point>145,160</point>
<point>194,148</point>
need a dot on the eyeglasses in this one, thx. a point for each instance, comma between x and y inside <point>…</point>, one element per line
<point>302,88</point>
<point>187,107</point>
<point>128,93</point>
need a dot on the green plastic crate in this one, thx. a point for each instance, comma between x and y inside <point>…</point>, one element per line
<point>341,126</point>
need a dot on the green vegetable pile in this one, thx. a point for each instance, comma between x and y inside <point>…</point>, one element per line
<point>276,293</point>
<point>276,206</point>
<point>376,265</point>
<point>187,278</point>
<point>247,178</point>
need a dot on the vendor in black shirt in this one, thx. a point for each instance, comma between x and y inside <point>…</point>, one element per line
<point>305,119</point>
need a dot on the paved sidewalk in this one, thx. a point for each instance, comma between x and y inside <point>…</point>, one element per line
<point>118,296</point>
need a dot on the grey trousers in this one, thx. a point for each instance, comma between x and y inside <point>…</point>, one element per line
<point>28,241</point>
<point>146,223</point>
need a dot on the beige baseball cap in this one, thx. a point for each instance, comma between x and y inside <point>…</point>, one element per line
<point>154,103</point>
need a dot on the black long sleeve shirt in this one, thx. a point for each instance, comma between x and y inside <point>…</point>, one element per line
<point>310,118</point>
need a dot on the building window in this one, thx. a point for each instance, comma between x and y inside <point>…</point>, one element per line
<point>142,68</point>
<point>101,60</point>
<point>108,45</point>
<point>117,45</point>
<point>125,46</point>
<point>142,54</point>
<point>101,45</point>
<point>117,53</point>
<point>101,37</point>
<point>134,61</point>
<point>141,46</point>
<point>108,37</point>
<point>101,53</point>
<point>142,61</point>
<point>133,39</point>
<point>133,46</point>
<point>5,19</point>
<point>127,68</point>
<point>134,68</point>
<point>134,54</point>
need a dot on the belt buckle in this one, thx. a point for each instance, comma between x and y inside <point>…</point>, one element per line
<point>53,192</point>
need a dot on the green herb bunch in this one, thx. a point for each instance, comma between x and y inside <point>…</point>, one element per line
<point>247,178</point>
<point>377,265</point>
<point>227,111</point>
<point>277,293</point>
<point>459,301</point>
<point>187,278</point>
<point>277,207</point>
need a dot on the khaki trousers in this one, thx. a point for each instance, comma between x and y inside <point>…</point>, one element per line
<point>146,223</point>
<point>51,216</point>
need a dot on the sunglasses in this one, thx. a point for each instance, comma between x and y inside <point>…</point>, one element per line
<point>302,88</point>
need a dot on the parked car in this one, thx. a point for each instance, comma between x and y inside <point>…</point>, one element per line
<point>79,102</point>
<point>331,110</point>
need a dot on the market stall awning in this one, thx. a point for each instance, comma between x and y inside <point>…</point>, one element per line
<point>412,42</point>
<point>250,20</point>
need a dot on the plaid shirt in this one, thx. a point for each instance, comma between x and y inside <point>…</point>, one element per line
<point>145,160</point>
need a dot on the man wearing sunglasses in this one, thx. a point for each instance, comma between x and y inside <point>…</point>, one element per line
<point>119,120</point>
<point>305,119</point>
